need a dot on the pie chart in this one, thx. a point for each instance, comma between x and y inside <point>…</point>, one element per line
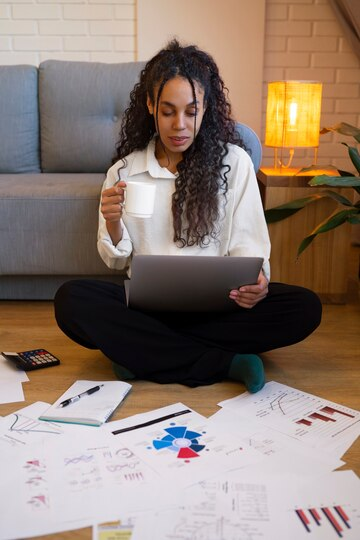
<point>180,440</point>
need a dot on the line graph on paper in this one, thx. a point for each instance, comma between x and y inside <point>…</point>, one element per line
<point>304,414</point>
<point>19,430</point>
<point>24,424</point>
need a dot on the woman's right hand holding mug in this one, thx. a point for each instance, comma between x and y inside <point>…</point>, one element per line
<point>112,202</point>
<point>111,206</point>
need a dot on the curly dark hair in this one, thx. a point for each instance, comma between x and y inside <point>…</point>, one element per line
<point>202,170</point>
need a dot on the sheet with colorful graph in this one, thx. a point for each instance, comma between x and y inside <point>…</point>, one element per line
<point>23,428</point>
<point>66,483</point>
<point>242,506</point>
<point>281,453</point>
<point>306,417</point>
<point>328,510</point>
<point>178,443</point>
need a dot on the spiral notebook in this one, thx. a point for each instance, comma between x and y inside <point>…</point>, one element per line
<point>91,409</point>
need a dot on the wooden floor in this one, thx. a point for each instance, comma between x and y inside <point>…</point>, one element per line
<point>326,364</point>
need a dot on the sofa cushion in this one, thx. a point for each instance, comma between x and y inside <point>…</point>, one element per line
<point>48,224</point>
<point>81,104</point>
<point>19,119</point>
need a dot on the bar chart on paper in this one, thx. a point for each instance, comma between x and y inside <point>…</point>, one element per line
<point>329,521</point>
<point>328,509</point>
<point>305,416</point>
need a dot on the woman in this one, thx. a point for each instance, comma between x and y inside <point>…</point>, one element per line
<point>178,133</point>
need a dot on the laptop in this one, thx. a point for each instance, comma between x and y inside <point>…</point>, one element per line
<point>187,282</point>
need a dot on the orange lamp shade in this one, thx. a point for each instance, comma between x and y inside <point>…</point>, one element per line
<point>293,114</point>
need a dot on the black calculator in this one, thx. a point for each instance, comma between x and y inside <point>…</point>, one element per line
<point>29,360</point>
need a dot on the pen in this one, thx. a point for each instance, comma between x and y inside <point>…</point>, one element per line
<point>79,396</point>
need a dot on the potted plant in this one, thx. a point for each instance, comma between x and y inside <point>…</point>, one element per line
<point>351,210</point>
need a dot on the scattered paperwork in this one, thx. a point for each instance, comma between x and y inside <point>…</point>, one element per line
<point>263,466</point>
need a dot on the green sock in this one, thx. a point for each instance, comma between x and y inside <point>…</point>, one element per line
<point>249,369</point>
<point>121,372</point>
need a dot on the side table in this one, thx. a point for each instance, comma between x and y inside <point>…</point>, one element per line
<point>323,266</point>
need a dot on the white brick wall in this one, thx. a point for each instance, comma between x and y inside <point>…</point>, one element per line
<point>32,31</point>
<point>305,41</point>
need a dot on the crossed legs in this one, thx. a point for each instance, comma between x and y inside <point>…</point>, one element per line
<point>188,348</point>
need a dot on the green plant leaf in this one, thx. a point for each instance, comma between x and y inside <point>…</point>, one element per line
<point>355,220</point>
<point>345,173</point>
<point>278,213</point>
<point>317,168</point>
<point>335,220</point>
<point>336,197</point>
<point>344,129</point>
<point>354,156</point>
<point>304,244</point>
<point>335,181</point>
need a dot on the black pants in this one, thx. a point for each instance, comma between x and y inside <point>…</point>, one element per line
<point>188,348</point>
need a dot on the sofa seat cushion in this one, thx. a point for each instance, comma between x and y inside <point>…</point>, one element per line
<point>81,105</point>
<point>19,119</point>
<point>48,224</point>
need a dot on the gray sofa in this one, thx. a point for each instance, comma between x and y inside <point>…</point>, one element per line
<point>59,124</point>
<point>58,128</point>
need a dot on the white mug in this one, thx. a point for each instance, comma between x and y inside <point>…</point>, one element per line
<point>139,199</point>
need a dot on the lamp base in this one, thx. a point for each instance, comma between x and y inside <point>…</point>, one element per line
<point>279,162</point>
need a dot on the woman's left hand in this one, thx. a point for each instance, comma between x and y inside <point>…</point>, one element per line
<point>249,295</point>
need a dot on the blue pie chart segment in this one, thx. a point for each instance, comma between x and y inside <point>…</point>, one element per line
<point>197,447</point>
<point>192,435</point>
<point>181,441</point>
<point>162,444</point>
<point>177,432</point>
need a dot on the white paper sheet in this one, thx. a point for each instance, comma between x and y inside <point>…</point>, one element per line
<point>326,510</point>
<point>66,483</point>
<point>11,390</point>
<point>22,428</point>
<point>233,507</point>
<point>283,453</point>
<point>9,372</point>
<point>183,448</point>
<point>248,506</point>
<point>308,418</point>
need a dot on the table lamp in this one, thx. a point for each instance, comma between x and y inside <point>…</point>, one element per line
<point>293,118</point>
